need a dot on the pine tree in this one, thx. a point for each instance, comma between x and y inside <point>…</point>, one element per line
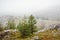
<point>32,23</point>
<point>24,28</point>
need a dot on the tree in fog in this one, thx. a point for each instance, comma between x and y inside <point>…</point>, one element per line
<point>32,22</point>
<point>10,24</point>
<point>24,28</point>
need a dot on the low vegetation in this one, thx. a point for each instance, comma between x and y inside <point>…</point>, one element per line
<point>25,30</point>
<point>49,35</point>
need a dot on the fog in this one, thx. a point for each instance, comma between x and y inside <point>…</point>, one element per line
<point>47,8</point>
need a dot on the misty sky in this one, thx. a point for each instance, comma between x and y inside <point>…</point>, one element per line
<point>27,7</point>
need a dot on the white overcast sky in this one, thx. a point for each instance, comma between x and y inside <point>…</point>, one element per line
<point>26,7</point>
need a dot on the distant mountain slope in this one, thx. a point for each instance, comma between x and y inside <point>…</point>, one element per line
<point>43,25</point>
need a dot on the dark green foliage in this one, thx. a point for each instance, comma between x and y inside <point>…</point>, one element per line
<point>1,27</point>
<point>27,27</point>
<point>32,23</point>
<point>24,28</point>
<point>10,24</point>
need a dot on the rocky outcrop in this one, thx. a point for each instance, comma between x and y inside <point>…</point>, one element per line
<point>57,27</point>
<point>3,34</point>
